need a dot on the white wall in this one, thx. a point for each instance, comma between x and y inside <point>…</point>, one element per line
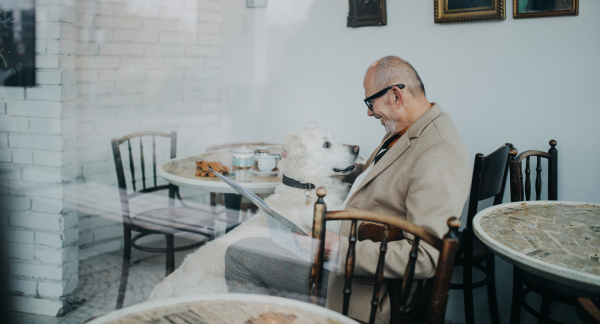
<point>521,81</point>
<point>149,65</point>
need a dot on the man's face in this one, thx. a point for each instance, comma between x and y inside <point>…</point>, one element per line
<point>382,106</point>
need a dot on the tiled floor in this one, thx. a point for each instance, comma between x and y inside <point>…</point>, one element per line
<point>98,287</point>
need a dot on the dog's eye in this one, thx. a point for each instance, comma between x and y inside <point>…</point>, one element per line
<point>326,145</point>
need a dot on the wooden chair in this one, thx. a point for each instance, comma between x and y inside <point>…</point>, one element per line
<point>447,247</point>
<point>489,177</point>
<point>587,310</point>
<point>166,221</point>
<point>520,190</point>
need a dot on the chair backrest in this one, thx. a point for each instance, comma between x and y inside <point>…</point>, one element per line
<point>489,179</point>
<point>447,247</point>
<point>520,188</point>
<point>152,185</point>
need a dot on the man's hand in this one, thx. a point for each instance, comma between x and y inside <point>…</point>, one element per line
<point>332,244</point>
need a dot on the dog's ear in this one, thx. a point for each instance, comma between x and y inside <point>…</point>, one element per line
<point>292,144</point>
<point>310,125</point>
<point>295,155</point>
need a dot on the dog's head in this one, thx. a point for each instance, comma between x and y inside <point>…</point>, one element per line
<point>315,152</point>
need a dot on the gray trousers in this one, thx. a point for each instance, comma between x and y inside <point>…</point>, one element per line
<point>259,266</point>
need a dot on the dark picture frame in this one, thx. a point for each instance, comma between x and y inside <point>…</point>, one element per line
<point>545,8</point>
<point>367,13</point>
<point>465,10</point>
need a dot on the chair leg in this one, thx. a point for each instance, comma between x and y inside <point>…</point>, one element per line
<point>213,202</point>
<point>172,190</point>
<point>170,254</point>
<point>517,296</point>
<point>125,269</point>
<point>491,289</point>
<point>545,310</point>
<point>468,293</point>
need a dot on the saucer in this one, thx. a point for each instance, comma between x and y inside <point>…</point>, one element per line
<point>256,171</point>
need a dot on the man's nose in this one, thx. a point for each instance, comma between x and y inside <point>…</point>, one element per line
<point>370,112</point>
<point>355,149</point>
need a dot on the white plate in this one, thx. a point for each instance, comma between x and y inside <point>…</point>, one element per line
<point>256,171</point>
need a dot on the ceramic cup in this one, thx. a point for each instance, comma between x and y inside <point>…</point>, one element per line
<point>267,161</point>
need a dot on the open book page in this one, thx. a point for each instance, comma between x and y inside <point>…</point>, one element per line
<point>281,229</point>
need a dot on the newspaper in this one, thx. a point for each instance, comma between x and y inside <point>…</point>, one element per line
<point>281,229</point>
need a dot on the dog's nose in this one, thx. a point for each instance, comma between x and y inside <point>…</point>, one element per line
<point>355,149</point>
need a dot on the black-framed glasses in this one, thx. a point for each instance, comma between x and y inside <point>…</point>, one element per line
<point>369,101</point>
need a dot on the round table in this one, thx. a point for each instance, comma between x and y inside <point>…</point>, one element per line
<point>182,172</point>
<point>556,240</point>
<point>225,309</point>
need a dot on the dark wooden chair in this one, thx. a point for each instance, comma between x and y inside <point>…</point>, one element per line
<point>587,310</point>
<point>520,190</point>
<point>436,308</point>
<point>489,178</point>
<point>167,221</point>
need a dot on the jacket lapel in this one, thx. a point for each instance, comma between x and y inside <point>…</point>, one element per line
<point>400,147</point>
<point>395,152</point>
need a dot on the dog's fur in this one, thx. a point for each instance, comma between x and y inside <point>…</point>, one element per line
<point>308,160</point>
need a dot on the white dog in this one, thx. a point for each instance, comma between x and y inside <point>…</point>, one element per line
<point>311,156</point>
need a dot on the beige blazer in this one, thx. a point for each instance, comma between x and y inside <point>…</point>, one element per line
<point>425,179</point>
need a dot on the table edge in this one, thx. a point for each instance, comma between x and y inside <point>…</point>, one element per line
<point>278,301</point>
<point>531,264</point>
<point>212,186</point>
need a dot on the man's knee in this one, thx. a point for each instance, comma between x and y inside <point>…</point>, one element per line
<point>233,257</point>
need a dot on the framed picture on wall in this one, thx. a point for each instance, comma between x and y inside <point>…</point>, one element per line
<point>463,10</point>
<point>545,8</point>
<point>367,13</point>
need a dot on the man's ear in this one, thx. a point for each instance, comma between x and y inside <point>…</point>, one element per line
<point>399,96</point>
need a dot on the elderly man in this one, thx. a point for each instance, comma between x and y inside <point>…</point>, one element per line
<point>420,172</point>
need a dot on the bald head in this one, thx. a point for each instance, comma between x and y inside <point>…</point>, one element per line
<point>392,70</point>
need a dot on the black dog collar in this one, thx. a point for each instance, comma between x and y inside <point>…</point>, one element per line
<point>297,184</point>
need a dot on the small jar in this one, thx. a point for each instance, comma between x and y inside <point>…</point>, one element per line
<point>242,158</point>
<point>261,149</point>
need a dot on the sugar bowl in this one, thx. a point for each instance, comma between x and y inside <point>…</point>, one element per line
<point>242,158</point>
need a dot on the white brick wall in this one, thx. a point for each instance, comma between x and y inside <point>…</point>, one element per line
<point>104,69</point>
<point>141,65</point>
<point>38,156</point>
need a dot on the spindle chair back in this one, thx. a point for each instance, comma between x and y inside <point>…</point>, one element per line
<point>147,185</point>
<point>520,190</point>
<point>520,187</point>
<point>447,247</point>
<point>167,221</point>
